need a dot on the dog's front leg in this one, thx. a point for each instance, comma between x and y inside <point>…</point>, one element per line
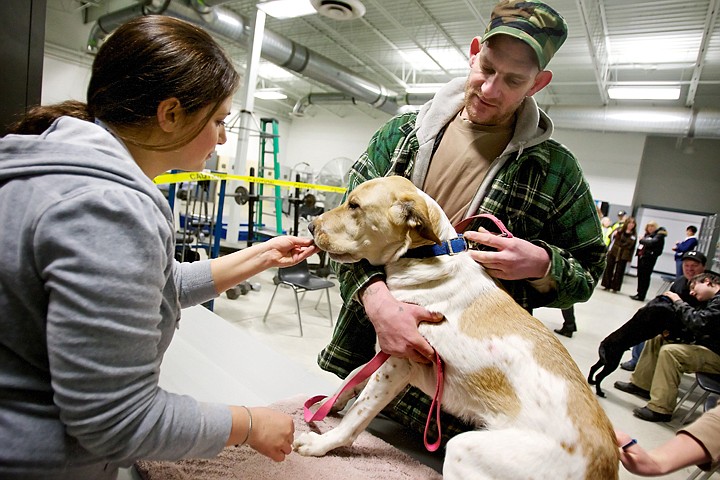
<point>381,388</point>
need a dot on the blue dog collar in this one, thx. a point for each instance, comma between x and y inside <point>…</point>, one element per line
<point>448,247</point>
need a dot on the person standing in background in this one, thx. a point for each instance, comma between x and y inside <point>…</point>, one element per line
<point>607,229</point>
<point>621,251</point>
<point>682,246</point>
<point>649,249</point>
<point>621,217</point>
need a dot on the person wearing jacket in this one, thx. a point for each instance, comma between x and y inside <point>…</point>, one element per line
<point>481,145</point>
<point>689,244</point>
<point>90,291</point>
<point>663,361</point>
<point>620,253</point>
<point>649,249</point>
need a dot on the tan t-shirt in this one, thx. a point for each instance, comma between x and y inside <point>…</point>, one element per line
<point>706,431</point>
<point>461,162</point>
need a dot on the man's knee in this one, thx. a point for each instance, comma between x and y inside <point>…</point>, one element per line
<point>674,353</point>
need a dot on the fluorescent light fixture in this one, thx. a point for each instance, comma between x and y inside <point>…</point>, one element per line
<point>271,71</point>
<point>638,92</point>
<point>287,8</point>
<point>270,94</point>
<point>424,87</point>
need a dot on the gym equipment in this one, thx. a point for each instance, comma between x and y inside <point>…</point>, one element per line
<point>242,289</point>
<point>334,173</point>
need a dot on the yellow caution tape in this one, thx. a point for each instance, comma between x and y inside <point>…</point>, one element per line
<point>215,176</point>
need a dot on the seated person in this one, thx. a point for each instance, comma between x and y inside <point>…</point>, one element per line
<point>698,444</point>
<point>663,360</point>
<point>693,263</point>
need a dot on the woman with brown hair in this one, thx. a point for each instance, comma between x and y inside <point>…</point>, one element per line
<point>621,250</point>
<point>91,293</point>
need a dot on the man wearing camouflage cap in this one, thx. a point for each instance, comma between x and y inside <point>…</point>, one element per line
<point>481,145</point>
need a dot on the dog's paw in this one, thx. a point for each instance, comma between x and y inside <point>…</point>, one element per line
<point>310,444</point>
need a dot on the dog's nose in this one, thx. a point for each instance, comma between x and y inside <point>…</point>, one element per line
<point>311,227</point>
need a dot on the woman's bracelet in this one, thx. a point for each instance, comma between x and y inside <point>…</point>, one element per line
<point>249,429</point>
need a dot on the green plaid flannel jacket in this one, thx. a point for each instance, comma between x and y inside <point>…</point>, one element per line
<point>541,196</point>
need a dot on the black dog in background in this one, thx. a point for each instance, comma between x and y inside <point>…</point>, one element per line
<point>655,318</point>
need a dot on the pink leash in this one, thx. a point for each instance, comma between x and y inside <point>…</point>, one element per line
<point>463,224</point>
<point>363,374</point>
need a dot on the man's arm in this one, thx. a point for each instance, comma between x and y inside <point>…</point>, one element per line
<point>544,200</point>
<point>698,320</point>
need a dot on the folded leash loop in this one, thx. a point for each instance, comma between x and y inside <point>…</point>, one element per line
<point>361,376</point>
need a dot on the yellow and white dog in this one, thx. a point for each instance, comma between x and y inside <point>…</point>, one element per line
<point>504,371</point>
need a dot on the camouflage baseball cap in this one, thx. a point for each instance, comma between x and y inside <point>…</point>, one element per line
<point>535,23</point>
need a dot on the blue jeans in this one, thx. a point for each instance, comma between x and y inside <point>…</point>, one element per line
<point>636,351</point>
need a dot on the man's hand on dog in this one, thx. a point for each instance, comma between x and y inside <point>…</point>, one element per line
<point>513,258</point>
<point>396,323</point>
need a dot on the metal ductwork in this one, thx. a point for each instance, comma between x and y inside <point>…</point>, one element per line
<point>275,48</point>
<point>321,99</point>
<point>356,89</point>
<point>403,100</point>
<point>678,122</point>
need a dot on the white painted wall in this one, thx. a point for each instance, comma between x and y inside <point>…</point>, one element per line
<point>63,81</point>
<point>324,136</point>
<point>610,161</point>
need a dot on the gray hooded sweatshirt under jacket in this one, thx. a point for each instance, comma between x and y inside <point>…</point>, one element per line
<point>90,295</point>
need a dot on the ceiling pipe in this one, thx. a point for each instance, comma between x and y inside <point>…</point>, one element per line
<point>682,122</point>
<point>321,99</point>
<point>275,48</point>
<point>402,100</point>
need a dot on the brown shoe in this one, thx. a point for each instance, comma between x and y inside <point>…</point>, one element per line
<point>648,415</point>
<point>629,387</point>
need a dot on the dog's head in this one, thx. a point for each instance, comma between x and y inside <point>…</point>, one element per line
<point>380,220</point>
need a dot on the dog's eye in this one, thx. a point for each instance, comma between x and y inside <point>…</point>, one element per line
<point>353,205</point>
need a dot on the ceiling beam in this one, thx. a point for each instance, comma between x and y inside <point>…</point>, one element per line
<point>710,19</point>
<point>397,24</point>
<point>592,16</point>
<point>440,29</point>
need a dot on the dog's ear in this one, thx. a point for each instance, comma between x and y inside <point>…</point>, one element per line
<point>415,214</point>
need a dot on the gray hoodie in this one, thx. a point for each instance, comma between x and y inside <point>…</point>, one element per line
<point>90,295</point>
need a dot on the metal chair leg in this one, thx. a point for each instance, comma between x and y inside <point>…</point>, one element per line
<point>700,401</point>
<point>297,303</point>
<point>694,474</point>
<point>271,302</point>
<point>327,294</point>
<point>686,396</point>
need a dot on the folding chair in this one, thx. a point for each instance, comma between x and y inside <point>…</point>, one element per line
<point>299,278</point>
<point>709,382</point>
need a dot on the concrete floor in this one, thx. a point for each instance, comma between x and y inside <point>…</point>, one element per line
<point>602,314</point>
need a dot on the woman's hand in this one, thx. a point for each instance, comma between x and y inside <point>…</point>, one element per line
<point>267,431</point>
<point>286,250</point>
<point>283,251</point>
<point>272,433</point>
